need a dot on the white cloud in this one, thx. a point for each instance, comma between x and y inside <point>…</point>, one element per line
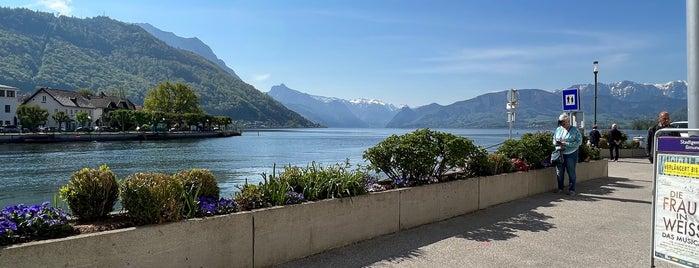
<point>523,59</point>
<point>261,77</point>
<point>59,6</point>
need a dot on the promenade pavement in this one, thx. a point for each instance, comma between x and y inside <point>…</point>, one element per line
<point>608,224</point>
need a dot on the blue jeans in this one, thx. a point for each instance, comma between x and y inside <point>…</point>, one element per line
<point>569,163</point>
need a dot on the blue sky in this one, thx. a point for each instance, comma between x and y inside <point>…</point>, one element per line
<point>418,52</point>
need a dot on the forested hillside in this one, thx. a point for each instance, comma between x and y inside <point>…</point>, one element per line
<point>42,50</point>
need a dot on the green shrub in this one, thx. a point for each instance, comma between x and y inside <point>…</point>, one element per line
<point>478,163</point>
<point>584,152</point>
<point>534,148</point>
<point>249,197</point>
<point>603,144</point>
<point>152,198</point>
<point>274,188</point>
<point>91,193</point>
<point>316,182</point>
<point>198,183</point>
<point>200,179</point>
<point>421,156</point>
<point>595,154</point>
<point>499,163</point>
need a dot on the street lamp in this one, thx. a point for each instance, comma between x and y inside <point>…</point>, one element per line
<point>594,70</point>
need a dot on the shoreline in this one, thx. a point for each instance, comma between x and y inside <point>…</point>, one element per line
<point>111,136</point>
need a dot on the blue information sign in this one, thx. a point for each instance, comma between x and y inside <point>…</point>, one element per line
<point>571,100</point>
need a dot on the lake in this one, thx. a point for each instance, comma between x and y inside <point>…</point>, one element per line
<point>33,173</point>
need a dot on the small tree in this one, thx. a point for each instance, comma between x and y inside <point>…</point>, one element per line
<point>421,156</point>
<point>83,118</point>
<point>32,116</point>
<point>60,117</point>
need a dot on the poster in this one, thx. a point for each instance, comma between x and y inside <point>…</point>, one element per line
<point>676,222</point>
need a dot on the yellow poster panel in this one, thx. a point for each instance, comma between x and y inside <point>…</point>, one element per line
<point>681,169</point>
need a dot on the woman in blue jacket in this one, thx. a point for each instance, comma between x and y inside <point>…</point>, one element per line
<point>567,139</point>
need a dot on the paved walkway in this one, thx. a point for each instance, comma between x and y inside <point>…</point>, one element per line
<point>607,225</point>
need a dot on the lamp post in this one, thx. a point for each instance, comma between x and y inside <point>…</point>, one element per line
<point>594,70</point>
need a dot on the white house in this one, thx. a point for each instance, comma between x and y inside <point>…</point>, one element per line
<point>55,100</point>
<point>8,105</point>
<point>70,102</point>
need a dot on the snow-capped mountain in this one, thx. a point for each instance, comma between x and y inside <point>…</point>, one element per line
<point>335,112</point>
<point>632,91</point>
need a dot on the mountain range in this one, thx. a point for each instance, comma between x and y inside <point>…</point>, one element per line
<point>40,49</point>
<point>620,102</point>
<point>335,112</point>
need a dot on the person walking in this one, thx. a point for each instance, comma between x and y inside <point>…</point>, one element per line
<point>663,122</point>
<point>614,143</point>
<point>595,136</point>
<point>566,138</point>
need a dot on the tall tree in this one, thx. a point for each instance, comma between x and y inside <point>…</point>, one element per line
<point>32,116</point>
<point>175,98</point>
<point>60,117</point>
<point>123,117</point>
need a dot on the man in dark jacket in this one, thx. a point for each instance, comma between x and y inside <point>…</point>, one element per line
<point>614,142</point>
<point>663,122</point>
<point>595,136</point>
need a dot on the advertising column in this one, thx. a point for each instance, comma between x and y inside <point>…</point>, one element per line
<point>676,196</point>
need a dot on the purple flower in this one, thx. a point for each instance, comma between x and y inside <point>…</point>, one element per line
<point>29,222</point>
<point>210,207</point>
<point>294,198</point>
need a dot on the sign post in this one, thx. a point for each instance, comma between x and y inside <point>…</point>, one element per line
<point>511,106</point>
<point>571,105</point>
<point>675,232</point>
<point>571,100</point>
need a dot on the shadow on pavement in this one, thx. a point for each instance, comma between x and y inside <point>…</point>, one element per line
<point>498,223</point>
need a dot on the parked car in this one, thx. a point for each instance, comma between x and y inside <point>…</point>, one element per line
<point>83,129</point>
<point>106,129</point>
<point>680,124</point>
<point>10,129</point>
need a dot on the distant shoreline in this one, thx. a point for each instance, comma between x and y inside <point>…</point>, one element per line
<point>110,136</point>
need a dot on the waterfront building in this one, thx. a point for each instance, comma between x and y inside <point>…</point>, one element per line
<point>8,104</point>
<point>71,103</point>
<point>55,100</point>
<point>104,104</point>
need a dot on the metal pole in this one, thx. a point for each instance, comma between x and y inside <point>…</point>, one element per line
<point>693,65</point>
<point>595,72</point>
<point>510,137</point>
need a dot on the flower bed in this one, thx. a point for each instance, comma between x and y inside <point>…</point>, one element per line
<point>276,235</point>
<point>453,180</point>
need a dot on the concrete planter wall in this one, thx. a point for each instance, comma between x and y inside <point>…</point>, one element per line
<point>276,235</point>
<point>209,242</point>
<point>436,202</point>
<point>625,153</point>
<point>287,233</point>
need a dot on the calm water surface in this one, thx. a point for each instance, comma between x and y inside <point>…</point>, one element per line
<point>33,173</point>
